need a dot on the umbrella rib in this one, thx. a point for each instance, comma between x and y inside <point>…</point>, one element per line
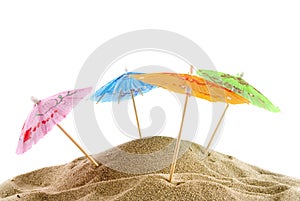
<point>119,97</point>
<point>100,98</point>
<point>43,126</point>
<point>140,91</point>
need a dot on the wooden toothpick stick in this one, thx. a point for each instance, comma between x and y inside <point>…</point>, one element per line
<point>136,115</point>
<point>78,146</point>
<point>172,170</point>
<point>217,127</point>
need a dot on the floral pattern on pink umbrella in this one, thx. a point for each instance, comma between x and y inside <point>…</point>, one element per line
<point>48,113</point>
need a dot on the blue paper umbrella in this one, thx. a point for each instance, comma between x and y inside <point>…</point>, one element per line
<point>121,88</point>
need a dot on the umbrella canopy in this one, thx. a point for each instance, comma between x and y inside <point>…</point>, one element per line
<point>121,88</point>
<point>199,87</point>
<point>239,86</point>
<point>46,114</point>
<point>190,85</point>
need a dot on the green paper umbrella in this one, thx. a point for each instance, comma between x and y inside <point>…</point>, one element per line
<point>239,86</point>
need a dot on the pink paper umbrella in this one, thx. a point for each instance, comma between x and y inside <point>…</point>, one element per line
<point>48,113</point>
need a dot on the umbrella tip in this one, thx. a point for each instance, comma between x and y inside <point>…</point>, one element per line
<point>191,69</point>
<point>34,99</point>
<point>126,70</point>
<point>240,74</point>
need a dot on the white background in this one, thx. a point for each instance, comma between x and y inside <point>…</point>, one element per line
<point>44,45</point>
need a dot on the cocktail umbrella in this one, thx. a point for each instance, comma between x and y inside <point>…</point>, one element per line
<point>121,88</point>
<point>48,113</point>
<point>189,85</point>
<point>239,86</point>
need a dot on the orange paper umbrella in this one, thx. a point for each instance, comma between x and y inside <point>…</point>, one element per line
<point>199,87</point>
<point>190,85</point>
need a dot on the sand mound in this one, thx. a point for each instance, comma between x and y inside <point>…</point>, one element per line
<point>138,170</point>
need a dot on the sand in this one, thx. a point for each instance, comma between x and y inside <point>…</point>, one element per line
<point>138,170</point>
